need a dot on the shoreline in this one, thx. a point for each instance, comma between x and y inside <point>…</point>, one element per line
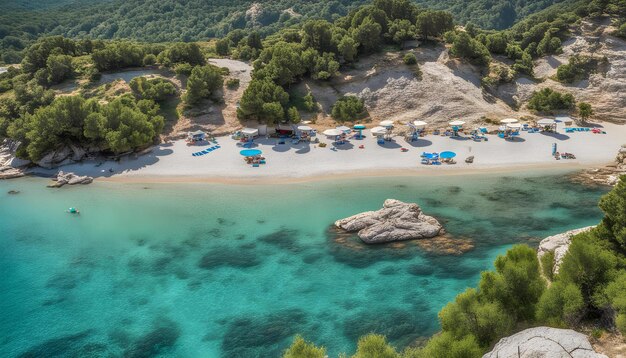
<point>345,175</point>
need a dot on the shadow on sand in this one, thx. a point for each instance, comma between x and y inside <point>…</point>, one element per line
<point>420,143</point>
<point>558,136</point>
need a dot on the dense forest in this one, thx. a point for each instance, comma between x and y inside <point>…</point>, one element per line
<point>196,20</point>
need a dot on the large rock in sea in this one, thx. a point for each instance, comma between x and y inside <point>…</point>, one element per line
<point>545,342</point>
<point>558,244</point>
<point>69,179</point>
<point>396,221</point>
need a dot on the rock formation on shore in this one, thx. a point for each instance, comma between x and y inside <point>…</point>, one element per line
<point>608,175</point>
<point>396,221</point>
<point>558,244</point>
<point>11,166</point>
<point>69,179</point>
<point>544,342</point>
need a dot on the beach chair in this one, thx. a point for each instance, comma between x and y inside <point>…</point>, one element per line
<point>425,161</point>
<point>381,141</point>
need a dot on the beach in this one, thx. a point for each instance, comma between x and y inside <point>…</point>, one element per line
<point>174,161</point>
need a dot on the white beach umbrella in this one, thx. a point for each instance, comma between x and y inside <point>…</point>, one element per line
<point>514,125</point>
<point>386,123</point>
<point>420,124</point>
<point>344,128</point>
<point>332,132</point>
<point>305,128</point>
<point>250,132</point>
<point>509,120</point>
<point>456,123</point>
<point>378,131</point>
<point>546,122</point>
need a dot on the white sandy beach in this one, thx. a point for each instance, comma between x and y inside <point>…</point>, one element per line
<point>174,161</point>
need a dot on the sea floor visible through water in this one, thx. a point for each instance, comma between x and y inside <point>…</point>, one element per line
<point>213,270</point>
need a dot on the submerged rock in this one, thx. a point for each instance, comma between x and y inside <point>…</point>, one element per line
<point>544,342</point>
<point>396,221</point>
<point>558,244</point>
<point>70,179</point>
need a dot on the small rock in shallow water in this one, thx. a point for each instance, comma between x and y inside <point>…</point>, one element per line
<point>13,192</point>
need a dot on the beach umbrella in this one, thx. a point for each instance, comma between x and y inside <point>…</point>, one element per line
<point>386,123</point>
<point>250,132</point>
<point>447,155</point>
<point>456,123</point>
<point>359,127</point>
<point>509,120</point>
<point>332,132</point>
<point>546,122</point>
<point>514,125</point>
<point>305,128</point>
<point>378,131</point>
<point>419,124</point>
<point>250,152</point>
<point>343,128</point>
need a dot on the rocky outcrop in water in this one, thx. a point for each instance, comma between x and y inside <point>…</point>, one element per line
<point>69,179</point>
<point>558,244</point>
<point>608,175</point>
<point>544,342</point>
<point>396,221</point>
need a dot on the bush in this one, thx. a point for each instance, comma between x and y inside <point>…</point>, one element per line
<point>410,59</point>
<point>621,31</point>
<point>374,346</point>
<point>471,49</point>
<point>547,265</point>
<point>183,69</point>
<point>561,303</point>
<point>348,109</point>
<point>445,345</point>
<point>303,349</point>
<point>613,205</point>
<point>584,110</point>
<point>548,100</point>
<point>157,89</point>
<point>202,83</point>
<point>149,60</point>
<point>232,83</point>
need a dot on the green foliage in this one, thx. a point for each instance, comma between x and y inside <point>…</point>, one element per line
<point>471,49</point>
<point>374,346</point>
<point>473,316</point>
<point>309,102</point>
<point>348,109</point>
<point>409,59</point>
<point>433,23</point>
<point>584,110</point>
<point>149,60</point>
<point>303,349</point>
<point>621,31</point>
<point>445,345</point>
<point>116,55</point>
<point>181,53</point>
<point>613,205</point>
<point>368,35</point>
<point>183,69</point>
<point>402,30</point>
<point>497,42</point>
<point>202,83</point>
<point>259,93</point>
<point>516,284</point>
<point>222,46</point>
<point>157,89</point>
<point>547,265</point>
<point>577,68</point>
<point>347,48</point>
<point>59,67</point>
<point>561,304</point>
<point>549,100</point>
<point>232,83</point>
<point>293,115</point>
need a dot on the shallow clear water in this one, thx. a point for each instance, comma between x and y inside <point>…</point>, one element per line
<point>207,270</point>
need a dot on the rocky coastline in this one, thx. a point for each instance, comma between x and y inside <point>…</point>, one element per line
<point>608,175</point>
<point>558,244</point>
<point>396,221</point>
<point>70,179</point>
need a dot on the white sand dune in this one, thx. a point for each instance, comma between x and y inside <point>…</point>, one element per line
<point>174,161</point>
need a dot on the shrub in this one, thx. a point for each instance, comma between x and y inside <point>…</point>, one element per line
<point>584,110</point>
<point>547,265</point>
<point>183,69</point>
<point>374,346</point>
<point>621,31</point>
<point>561,303</point>
<point>347,109</point>
<point>410,59</point>
<point>232,83</point>
<point>149,60</point>
<point>202,83</point>
<point>446,346</point>
<point>548,100</point>
<point>303,349</point>
<point>157,89</point>
<point>471,49</point>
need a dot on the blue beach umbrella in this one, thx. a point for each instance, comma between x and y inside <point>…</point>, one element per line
<point>447,155</point>
<point>250,152</point>
<point>360,128</point>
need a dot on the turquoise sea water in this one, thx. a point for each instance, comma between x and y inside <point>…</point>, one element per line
<point>208,270</point>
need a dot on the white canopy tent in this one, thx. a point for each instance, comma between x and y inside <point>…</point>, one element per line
<point>305,128</point>
<point>420,124</point>
<point>514,125</point>
<point>378,131</point>
<point>250,132</point>
<point>509,121</point>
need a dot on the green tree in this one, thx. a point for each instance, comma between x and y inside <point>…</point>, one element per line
<point>561,304</point>
<point>402,30</point>
<point>259,93</point>
<point>348,108</point>
<point>348,48</point>
<point>613,205</point>
<point>367,34</point>
<point>222,46</point>
<point>157,89</point>
<point>293,115</point>
<point>410,59</point>
<point>466,47</point>
<point>149,60</point>
<point>548,100</point>
<point>374,346</point>
<point>431,23</point>
<point>317,34</point>
<point>445,345</point>
<point>303,349</point>
<point>584,110</point>
<point>59,68</point>
<point>202,83</point>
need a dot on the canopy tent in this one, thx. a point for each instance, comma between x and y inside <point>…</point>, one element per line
<point>447,155</point>
<point>378,131</point>
<point>196,136</point>
<point>344,128</point>
<point>250,152</point>
<point>420,124</point>
<point>457,123</point>
<point>250,132</point>
<point>332,132</point>
<point>386,123</point>
<point>509,121</point>
<point>305,128</point>
<point>565,119</point>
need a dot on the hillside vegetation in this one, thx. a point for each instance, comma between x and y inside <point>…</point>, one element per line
<point>198,20</point>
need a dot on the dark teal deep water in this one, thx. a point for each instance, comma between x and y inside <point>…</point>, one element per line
<point>207,270</point>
